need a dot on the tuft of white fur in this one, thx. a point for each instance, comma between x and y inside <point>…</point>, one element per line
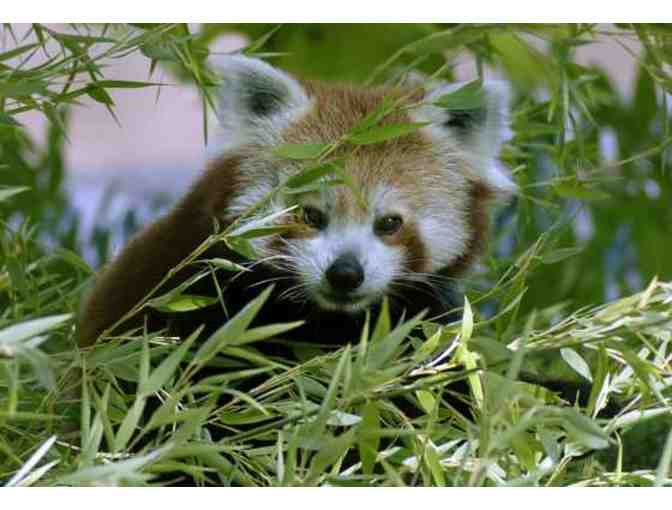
<point>238,126</point>
<point>482,146</point>
<point>378,262</point>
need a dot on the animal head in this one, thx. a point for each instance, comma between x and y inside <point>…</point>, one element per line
<point>411,206</point>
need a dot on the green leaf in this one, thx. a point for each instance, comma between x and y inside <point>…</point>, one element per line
<point>470,96</point>
<point>160,376</point>
<point>600,388</point>
<point>264,332</point>
<point>6,55</point>
<point>431,458</point>
<point>100,425</point>
<point>560,254</point>
<point>464,355</point>
<point>312,433</point>
<point>382,351</point>
<point>427,400</point>
<point>241,246</point>
<point>159,51</point>
<point>523,447</point>
<point>575,361</point>
<point>258,43</point>
<point>76,38</point>
<point>643,369</point>
<point>524,65</point>
<point>384,133</point>
<point>340,419</point>
<point>330,452</point>
<point>467,323</point>
<point>264,231</point>
<point>428,347</point>
<point>665,465</point>
<point>125,84</point>
<point>583,430</point>
<point>232,331</point>
<point>6,193</point>
<point>99,94</point>
<point>24,472</point>
<point>113,473</point>
<point>314,187</point>
<point>368,441</point>
<point>493,352</point>
<point>39,362</point>
<point>300,151</point>
<point>383,109</point>
<point>22,88</point>
<point>226,265</point>
<point>579,191</point>
<point>310,175</point>
<point>383,324</point>
<point>171,413</point>
<point>12,335</point>
<point>129,424</point>
<point>73,259</point>
<point>440,42</point>
<point>182,303</point>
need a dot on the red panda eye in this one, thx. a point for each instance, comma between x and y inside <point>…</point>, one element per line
<point>314,217</point>
<point>387,225</point>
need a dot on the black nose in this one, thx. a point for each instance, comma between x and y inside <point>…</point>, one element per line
<point>345,274</point>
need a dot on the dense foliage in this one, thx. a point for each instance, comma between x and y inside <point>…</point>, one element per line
<point>590,226</point>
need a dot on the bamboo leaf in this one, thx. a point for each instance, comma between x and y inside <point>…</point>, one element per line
<point>160,376</point>
<point>300,151</point>
<point>182,303</point>
<point>13,335</point>
<point>231,331</point>
<point>368,441</point>
<point>574,360</point>
<point>310,175</point>
<point>470,96</point>
<point>7,193</point>
<point>384,133</point>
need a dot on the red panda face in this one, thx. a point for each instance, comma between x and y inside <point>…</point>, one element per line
<point>412,207</point>
<point>349,254</point>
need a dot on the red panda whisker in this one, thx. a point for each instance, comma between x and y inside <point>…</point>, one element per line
<point>426,290</point>
<point>420,276</point>
<point>291,291</point>
<point>256,263</point>
<point>399,295</point>
<point>270,280</point>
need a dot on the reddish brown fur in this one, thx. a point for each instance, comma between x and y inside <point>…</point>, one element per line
<point>416,252</point>
<point>151,254</point>
<point>337,108</point>
<point>405,163</point>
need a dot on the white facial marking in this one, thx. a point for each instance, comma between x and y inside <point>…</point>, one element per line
<point>239,123</point>
<point>379,263</point>
<point>483,140</point>
<point>442,227</point>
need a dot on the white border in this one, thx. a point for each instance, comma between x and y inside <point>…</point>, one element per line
<point>305,11</point>
<point>552,498</point>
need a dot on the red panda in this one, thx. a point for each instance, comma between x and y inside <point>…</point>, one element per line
<point>413,218</point>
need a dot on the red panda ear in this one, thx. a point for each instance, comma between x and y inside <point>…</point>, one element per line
<point>477,131</point>
<point>255,101</point>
